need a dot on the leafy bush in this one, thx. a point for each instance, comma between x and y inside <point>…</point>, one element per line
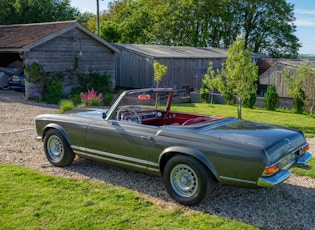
<point>99,82</point>
<point>53,92</point>
<point>228,97</point>
<point>96,81</point>
<point>298,102</point>
<point>66,105</point>
<point>107,98</point>
<point>91,98</point>
<point>271,98</point>
<point>204,93</point>
<point>75,96</point>
<point>250,102</point>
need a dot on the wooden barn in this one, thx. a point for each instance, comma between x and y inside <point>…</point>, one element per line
<point>57,47</point>
<point>275,76</point>
<point>186,65</point>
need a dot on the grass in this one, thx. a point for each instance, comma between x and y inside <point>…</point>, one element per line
<point>32,200</point>
<point>306,123</point>
<point>65,105</point>
<point>303,172</point>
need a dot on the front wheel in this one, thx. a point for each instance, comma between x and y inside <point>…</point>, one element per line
<point>57,149</point>
<point>187,180</point>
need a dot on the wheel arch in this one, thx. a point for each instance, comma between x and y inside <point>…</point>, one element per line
<point>175,150</point>
<point>58,128</point>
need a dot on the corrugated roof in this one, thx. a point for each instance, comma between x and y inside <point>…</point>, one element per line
<point>174,51</point>
<point>17,36</point>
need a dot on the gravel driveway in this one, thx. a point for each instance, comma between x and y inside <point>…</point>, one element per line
<point>290,205</point>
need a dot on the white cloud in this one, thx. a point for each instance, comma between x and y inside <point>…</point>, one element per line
<point>303,11</point>
<point>305,22</point>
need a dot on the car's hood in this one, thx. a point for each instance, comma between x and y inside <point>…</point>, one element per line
<point>90,112</point>
<point>271,138</point>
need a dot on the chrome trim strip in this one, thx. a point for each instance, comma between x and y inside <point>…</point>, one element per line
<point>152,166</point>
<point>114,160</point>
<point>273,180</point>
<point>238,180</point>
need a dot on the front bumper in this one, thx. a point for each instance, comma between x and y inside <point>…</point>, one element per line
<point>284,174</point>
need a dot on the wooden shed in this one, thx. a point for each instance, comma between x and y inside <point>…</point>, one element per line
<point>57,47</point>
<point>275,76</point>
<point>186,65</point>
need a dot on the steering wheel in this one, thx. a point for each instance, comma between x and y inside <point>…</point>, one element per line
<point>124,114</point>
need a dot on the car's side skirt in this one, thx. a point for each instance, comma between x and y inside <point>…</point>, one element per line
<point>119,160</point>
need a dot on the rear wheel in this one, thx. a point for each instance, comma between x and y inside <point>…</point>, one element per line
<point>57,149</point>
<point>187,180</point>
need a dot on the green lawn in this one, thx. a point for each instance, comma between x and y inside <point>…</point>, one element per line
<point>31,200</point>
<point>306,123</point>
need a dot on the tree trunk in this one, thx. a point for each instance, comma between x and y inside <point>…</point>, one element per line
<point>239,109</point>
<point>239,112</point>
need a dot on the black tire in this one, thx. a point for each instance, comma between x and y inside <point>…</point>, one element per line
<point>57,149</point>
<point>187,180</point>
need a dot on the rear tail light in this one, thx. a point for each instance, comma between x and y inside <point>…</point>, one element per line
<point>306,147</point>
<point>272,169</point>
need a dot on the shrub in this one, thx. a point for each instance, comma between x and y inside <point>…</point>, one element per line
<point>53,92</point>
<point>96,81</point>
<point>228,98</point>
<point>66,105</point>
<point>91,98</point>
<point>250,102</point>
<point>271,98</point>
<point>75,96</point>
<point>108,97</point>
<point>298,102</point>
<point>204,93</point>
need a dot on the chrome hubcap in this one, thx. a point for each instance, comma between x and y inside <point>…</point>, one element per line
<point>55,148</point>
<point>184,180</point>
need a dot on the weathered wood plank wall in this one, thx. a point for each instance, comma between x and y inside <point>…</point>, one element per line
<point>59,55</point>
<point>136,71</point>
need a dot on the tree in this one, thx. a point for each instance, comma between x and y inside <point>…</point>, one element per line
<point>209,83</point>
<point>240,73</point>
<point>301,84</point>
<point>159,72</point>
<point>271,98</point>
<point>267,26</point>
<point>35,11</point>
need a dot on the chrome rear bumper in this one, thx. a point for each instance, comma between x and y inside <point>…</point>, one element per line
<point>284,174</point>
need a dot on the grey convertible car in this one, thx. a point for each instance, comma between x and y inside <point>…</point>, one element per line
<point>191,152</point>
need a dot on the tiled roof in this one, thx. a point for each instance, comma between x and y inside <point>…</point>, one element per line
<point>17,36</point>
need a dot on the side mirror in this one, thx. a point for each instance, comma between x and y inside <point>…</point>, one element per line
<point>104,115</point>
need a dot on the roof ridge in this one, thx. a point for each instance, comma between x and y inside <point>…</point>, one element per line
<point>39,24</point>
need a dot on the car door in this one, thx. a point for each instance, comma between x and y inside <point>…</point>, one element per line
<point>121,142</point>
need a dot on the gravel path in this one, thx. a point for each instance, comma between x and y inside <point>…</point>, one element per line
<point>290,205</point>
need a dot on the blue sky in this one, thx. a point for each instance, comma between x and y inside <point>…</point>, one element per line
<point>304,12</point>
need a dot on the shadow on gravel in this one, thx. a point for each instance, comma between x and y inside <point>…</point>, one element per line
<point>12,96</point>
<point>280,207</point>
